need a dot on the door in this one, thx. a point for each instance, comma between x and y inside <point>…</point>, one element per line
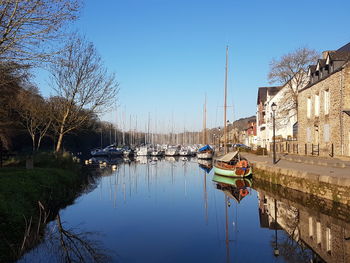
<point>349,143</point>
<point>316,142</point>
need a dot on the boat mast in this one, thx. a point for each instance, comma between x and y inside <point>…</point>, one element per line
<point>225,103</point>
<point>205,121</point>
<point>116,127</point>
<point>148,134</point>
<point>124,127</point>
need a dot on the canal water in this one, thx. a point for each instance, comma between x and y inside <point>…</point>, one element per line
<point>177,210</point>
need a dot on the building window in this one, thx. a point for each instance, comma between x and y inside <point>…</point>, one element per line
<point>308,134</point>
<point>311,228</point>
<point>326,102</point>
<point>308,108</point>
<point>326,133</point>
<point>317,105</point>
<point>318,233</point>
<point>326,68</point>
<point>328,240</point>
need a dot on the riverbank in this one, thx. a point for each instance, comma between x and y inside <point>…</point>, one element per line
<point>327,182</point>
<point>31,197</point>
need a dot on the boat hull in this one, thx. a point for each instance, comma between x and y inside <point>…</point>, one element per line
<point>232,172</point>
<point>206,155</point>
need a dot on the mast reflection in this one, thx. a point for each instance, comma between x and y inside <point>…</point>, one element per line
<point>233,188</point>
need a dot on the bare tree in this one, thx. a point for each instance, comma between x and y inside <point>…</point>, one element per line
<point>12,78</point>
<point>83,86</point>
<point>291,72</point>
<point>26,24</point>
<point>34,114</point>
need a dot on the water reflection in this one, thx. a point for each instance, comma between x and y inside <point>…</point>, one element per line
<point>63,244</point>
<point>318,234</point>
<point>175,209</point>
<point>235,189</point>
<point>206,165</point>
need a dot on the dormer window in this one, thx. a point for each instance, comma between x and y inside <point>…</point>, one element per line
<point>317,74</point>
<point>318,66</point>
<point>326,69</point>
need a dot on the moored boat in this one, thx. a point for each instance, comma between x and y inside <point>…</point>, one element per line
<point>172,151</point>
<point>128,152</point>
<point>233,165</point>
<point>110,151</point>
<point>185,152</point>
<point>205,152</point>
<point>157,152</point>
<point>144,151</point>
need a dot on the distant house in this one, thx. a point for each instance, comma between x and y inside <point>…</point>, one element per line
<point>324,106</point>
<point>265,95</point>
<point>251,134</point>
<point>286,115</point>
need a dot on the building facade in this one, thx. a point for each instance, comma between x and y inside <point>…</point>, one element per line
<point>324,106</point>
<point>265,95</point>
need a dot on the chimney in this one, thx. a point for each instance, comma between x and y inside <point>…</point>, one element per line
<point>325,53</point>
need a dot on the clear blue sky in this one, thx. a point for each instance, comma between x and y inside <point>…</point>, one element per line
<point>168,54</point>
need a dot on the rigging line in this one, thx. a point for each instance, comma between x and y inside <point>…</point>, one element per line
<point>216,114</point>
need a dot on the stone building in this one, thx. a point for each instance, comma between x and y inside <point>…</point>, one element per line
<point>324,106</point>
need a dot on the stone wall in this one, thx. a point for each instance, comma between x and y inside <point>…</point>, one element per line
<point>338,85</point>
<point>324,186</point>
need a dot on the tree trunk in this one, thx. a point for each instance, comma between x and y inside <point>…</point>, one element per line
<point>33,142</point>
<point>61,131</point>
<point>59,142</point>
<point>39,142</point>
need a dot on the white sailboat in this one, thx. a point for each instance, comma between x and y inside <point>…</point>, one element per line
<point>205,152</point>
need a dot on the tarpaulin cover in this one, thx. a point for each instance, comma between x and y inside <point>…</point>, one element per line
<point>207,147</point>
<point>227,157</point>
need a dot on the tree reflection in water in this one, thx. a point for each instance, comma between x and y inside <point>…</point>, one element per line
<point>68,245</point>
<point>290,245</point>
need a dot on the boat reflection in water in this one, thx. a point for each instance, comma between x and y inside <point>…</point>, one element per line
<point>206,165</point>
<point>142,159</point>
<point>236,189</point>
<point>140,200</point>
<point>171,159</point>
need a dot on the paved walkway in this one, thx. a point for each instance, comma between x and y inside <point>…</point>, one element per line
<point>313,165</point>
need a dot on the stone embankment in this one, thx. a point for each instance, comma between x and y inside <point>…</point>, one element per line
<point>323,177</point>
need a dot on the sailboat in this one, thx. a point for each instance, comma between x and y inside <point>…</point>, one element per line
<point>231,164</point>
<point>206,152</point>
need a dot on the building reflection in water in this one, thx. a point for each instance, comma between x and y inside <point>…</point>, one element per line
<point>315,230</point>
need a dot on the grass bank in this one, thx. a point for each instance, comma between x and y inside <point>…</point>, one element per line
<point>54,182</point>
